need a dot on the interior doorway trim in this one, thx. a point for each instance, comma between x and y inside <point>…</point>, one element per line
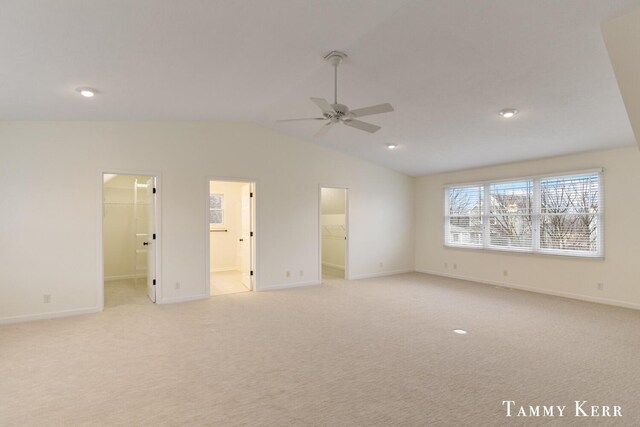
<point>348,230</point>
<point>158,226</point>
<point>255,259</point>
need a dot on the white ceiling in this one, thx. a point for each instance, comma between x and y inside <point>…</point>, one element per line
<point>622,37</point>
<point>447,66</point>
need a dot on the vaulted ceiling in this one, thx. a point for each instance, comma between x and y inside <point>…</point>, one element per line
<point>447,66</point>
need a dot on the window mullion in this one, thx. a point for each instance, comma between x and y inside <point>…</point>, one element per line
<point>486,226</point>
<point>599,215</point>
<point>447,218</point>
<point>537,215</point>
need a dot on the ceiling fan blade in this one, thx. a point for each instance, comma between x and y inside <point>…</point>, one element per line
<point>367,127</point>
<point>295,120</point>
<point>375,109</point>
<point>324,105</point>
<point>323,130</point>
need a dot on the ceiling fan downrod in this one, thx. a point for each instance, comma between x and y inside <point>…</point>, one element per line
<point>335,57</point>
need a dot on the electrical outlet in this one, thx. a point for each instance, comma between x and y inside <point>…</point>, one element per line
<point>46,298</point>
<point>177,285</point>
<point>455,266</point>
<point>301,272</point>
<point>505,273</point>
<point>446,265</point>
<point>381,264</point>
<point>288,274</point>
<point>600,286</point>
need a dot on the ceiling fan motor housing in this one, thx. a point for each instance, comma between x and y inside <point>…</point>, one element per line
<point>341,109</point>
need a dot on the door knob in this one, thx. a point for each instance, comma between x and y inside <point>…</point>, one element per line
<point>242,240</point>
<point>145,244</point>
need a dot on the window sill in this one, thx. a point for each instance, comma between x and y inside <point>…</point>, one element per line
<point>596,257</point>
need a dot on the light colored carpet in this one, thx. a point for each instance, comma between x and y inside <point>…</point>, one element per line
<point>371,352</point>
<point>227,282</point>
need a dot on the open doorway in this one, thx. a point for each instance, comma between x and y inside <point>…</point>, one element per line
<point>333,233</point>
<point>231,225</point>
<point>128,239</point>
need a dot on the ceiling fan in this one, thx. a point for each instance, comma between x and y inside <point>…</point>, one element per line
<point>340,113</point>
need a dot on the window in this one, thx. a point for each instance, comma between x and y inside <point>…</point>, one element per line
<point>465,218</point>
<point>559,215</point>
<point>510,219</point>
<point>570,213</point>
<point>216,210</point>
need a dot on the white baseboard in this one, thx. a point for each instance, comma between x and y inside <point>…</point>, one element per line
<point>50,315</point>
<point>182,299</point>
<point>289,285</point>
<point>562,294</point>
<point>336,266</point>
<point>380,274</point>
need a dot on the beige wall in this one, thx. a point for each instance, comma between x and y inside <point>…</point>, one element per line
<point>56,165</point>
<point>225,245</point>
<point>619,271</point>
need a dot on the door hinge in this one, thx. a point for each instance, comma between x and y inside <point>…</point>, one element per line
<point>251,234</point>
<point>250,194</point>
<point>154,236</point>
<point>154,282</point>
<point>154,190</point>
<point>251,272</point>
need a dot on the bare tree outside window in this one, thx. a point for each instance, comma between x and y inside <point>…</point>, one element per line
<point>559,215</point>
<point>569,208</point>
<point>510,214</point>
<point>465,215</point>
<point>216,210</point>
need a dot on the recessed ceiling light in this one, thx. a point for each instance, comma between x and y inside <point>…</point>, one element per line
<point>507,113</point>
<point>392,146</point>
<point>87,92</point>
<point>460,331</point>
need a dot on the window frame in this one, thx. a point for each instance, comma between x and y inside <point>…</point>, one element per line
<point>536,216</point>
<point>222,209</point>
<point>447,223</point>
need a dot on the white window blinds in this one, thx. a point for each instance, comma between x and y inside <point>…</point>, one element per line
<point>556,215</point>
<point>465,215</point>
<point>510,215</point>
<point>570,213</point>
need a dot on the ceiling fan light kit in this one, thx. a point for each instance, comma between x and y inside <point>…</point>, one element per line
<point>340,113</point>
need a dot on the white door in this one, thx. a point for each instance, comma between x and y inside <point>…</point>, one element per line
<point>245,235</point>
<point>151,242</point>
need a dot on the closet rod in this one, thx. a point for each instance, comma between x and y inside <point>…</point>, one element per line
<point>219,230</point>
